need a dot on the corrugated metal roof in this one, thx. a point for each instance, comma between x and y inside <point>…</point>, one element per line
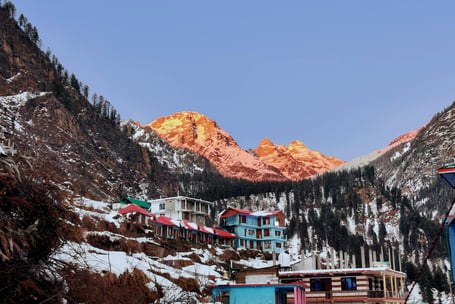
<point>133,208</point>
<point>224,233</point>
<point>233,211</point>
<point>164,220</point>
<point>129,200</point>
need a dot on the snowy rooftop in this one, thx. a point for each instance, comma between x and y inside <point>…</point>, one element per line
<point>381,269</point>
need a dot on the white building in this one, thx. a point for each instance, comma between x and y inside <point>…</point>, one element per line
<point>182,207</point>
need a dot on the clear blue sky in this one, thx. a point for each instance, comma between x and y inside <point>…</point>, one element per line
<point>343,77</point>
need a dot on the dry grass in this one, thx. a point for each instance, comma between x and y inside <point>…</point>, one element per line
<point>106,243</point>
<point>130,287</point>
<point>187,284</point>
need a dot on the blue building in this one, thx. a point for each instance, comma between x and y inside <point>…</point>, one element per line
<point>261,230</point>
<point>259,294</point>
<point>448,173</point>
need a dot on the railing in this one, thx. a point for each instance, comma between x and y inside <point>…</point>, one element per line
<point>372,294</point>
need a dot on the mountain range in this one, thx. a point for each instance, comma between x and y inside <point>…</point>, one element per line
<point>57,135</point>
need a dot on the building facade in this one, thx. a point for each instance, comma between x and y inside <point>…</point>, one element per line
<point>261,230</point>
<point>184,208</point>
<point>259,294</point>
<point>350,285</point>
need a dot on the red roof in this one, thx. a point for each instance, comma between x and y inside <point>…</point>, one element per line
<point>165,221</point>
<point>132,208</point>
<point>189,225</point>
<point>224,233</point>
<point>233,211</point>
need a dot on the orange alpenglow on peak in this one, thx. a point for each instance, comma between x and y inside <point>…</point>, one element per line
<point>271,162</point>
<point>295,161</point>
<point>203,136</point>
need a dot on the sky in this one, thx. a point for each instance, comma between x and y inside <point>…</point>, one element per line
<point>343,77</point>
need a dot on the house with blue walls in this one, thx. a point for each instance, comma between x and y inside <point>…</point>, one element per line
<point>259,294</point>
<point>447,172</point>
<point>260,230</point>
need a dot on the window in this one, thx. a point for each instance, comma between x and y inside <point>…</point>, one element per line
<point>242,243</point>
<point>266,232</point>
<point>242,219</point>
<point>321,284</point>
<point>349,283</point>
<point>278,245</point>
<point>266,221</point>
<point>251,232</point>
<point>268,244</point>
<point>251,244</point>
<point>162,206</point>
<point>277,233</point>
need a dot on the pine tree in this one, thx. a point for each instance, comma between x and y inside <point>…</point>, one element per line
<point>11,9</point>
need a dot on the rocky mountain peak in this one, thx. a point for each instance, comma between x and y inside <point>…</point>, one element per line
<point>202,135</point>
<point>295,161</point>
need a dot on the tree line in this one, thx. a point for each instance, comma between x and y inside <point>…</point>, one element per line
<point>102,105</point>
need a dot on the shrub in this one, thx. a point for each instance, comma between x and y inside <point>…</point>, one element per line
<point>130,287</point>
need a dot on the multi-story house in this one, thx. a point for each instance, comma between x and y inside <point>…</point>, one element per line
<point>261,230</point>
<point>182,207</point>
<point>373,285</point>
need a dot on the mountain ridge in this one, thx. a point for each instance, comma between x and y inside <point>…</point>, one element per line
<point>268,162</point>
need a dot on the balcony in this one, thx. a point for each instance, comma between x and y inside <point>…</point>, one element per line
<point>374,295</point>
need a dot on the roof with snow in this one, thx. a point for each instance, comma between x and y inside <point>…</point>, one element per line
<point>342,271</point>
<point>233,211</point>
<point>129,200</point>
<point>132,208</point>
<point>224,233</point>
<point>181,198</point>
<point>448,173</point>
<point>190,225</point>
<point>164,220</point>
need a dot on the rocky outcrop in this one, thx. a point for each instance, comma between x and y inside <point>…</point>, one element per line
<point>295,161</point>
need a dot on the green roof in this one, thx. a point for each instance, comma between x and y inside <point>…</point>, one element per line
<point>448,166</point>
<point>128,200</point>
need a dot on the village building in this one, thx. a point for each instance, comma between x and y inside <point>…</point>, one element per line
<point>335,278</point>
<point>182,207</point>
<point>447,172</point>
<point>259,293</point>
<point>171,228</point>
<point>350,285</point>
<point>261,230</point>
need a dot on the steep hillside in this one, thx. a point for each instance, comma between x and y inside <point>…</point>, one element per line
<point>295,161</point>
<point>78,150</point>
<point>396,144</point>
<point>71,141</point>
<point>177,160</point>
<point>412,167</point>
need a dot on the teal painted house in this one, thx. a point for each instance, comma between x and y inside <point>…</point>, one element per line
<point>261,230</point>
<point>447,172</point>
<point>259,294</point>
